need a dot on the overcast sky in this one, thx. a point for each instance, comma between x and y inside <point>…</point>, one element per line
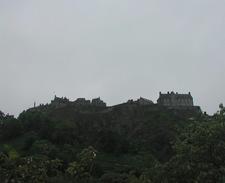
<point>116,49</point>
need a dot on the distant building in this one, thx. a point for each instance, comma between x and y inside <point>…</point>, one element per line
<point>98,102</point>
<point>175,100</point>
<point>144,101</point>
<point>140,101</point>
<point>82,101</point>
<point>58,102</point>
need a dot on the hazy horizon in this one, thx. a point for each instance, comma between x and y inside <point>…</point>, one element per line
<point>118,50</point>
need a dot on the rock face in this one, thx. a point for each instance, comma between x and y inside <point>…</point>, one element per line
<point>175,100</point>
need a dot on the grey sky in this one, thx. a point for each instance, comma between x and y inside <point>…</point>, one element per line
<point>116,49</point>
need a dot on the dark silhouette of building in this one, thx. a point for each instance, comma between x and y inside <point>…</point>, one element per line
<point>144,101</point>
<point>82,102</point>
<point>98,102</point>
<point>175,100</point>
<point>59,102</point>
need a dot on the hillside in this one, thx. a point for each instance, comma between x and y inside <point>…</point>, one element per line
<point>125,127</point>
<point>90,143</point>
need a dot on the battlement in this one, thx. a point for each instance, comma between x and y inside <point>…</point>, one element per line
<point>169,99</point>
<point>61,102</point>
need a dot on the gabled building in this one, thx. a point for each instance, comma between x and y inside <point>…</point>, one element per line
<point>172,99</point>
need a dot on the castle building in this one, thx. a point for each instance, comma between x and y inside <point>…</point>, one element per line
<point>175,100</point>
<point>59,101</point>
<point>82,102</point>
<point>98,102</point>
<point>144,101</point>
<point>141,101</point>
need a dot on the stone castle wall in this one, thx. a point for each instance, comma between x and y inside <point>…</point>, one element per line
<point>175,99</point>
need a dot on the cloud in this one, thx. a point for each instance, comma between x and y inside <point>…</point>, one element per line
<point>114,49</point>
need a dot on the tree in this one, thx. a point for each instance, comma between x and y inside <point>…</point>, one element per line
<point>221,114</point>
<point>2,115</point>
<point>83,167</point>
<point>10,128</point>
<point>200,155</point>
<point>28,169</point>
<point>44,147</point>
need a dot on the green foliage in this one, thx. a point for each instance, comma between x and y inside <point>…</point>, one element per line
<point>10,128</point>
<point>199,155</point>
<point>5,167</point>
<point>112,142</point>
<point>28,169</point>
<point>29,139</point>
<point>10,151</point>
<point>64,133</point>
<point>44,147</point>
<point>114,178</point>
<point>83,167</point>
<point>135,144</point>
<point>221,114</point>
<point>54,167</point>
<point>37,122</point>
<point>67,152</point>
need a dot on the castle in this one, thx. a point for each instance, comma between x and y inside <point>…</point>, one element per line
<point>141,101</point>
<point>95,102</point>
<point>175,100</point>
<point>170,99</point>
<point>63,101</point>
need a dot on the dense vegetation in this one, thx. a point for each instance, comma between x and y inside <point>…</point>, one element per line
<point>122,144</point>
